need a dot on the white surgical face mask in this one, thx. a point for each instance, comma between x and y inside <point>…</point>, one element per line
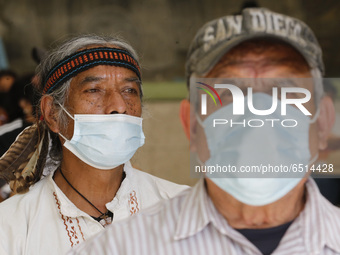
<point>241,145</point>
<point>105,141</point>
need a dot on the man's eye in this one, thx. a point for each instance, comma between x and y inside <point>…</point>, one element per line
<point>131,91</point>
<point>92,90</point>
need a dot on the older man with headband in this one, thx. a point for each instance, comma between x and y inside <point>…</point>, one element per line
<point>252,53</point>
<point>89,127</point>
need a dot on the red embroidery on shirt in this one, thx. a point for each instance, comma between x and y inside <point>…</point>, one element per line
<point>133,203</point>
<point>69,225</point>
<point>81,232</point>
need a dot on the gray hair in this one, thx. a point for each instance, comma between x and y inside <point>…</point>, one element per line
<point>65,49</point>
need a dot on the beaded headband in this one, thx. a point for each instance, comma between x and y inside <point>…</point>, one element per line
<point>86,59</point>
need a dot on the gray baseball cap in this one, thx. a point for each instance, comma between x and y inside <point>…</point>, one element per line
<point>217,37</point>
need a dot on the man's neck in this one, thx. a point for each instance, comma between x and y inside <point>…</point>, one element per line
<point>98,186</point>
<point>240,215</point>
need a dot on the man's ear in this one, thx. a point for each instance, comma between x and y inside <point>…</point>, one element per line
<point>325,121</point>
<point>49,114</point>
<point>184,115</point>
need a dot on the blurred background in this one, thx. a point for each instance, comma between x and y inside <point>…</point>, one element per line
<point>160,31</point>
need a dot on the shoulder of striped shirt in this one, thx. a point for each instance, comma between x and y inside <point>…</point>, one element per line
<point>175,205</point>
<point>163,206</point>
<point>159,182</point>
<point>332,218</point>
<point>11,126</point>
<point>148,215</point>
<point>332,213</point>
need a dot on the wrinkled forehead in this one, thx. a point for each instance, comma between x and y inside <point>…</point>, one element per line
<point>260,55</point>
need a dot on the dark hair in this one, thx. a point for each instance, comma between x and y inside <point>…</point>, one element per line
<point>24,89</point>
<point>8,72</point>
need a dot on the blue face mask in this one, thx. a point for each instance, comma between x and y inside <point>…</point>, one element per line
<point>105,141</point>
<point>242,145</point>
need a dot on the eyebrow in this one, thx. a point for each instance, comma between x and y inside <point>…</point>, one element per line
<point>89,79</point>
<point>134,79</point>
<point>138,82</point>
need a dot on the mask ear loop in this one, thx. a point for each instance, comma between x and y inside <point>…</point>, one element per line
<point>313,160</point>
<point>199,120</point>
<point>62,107</point>
<point>313,120</point>
<point>318,84</point>
<point>63,137</point>
<point>316,116</point>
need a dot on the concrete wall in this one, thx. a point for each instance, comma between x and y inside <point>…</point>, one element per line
<point>160,30</point>
<point>166,149</point>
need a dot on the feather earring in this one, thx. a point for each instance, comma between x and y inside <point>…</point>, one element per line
<point>22,164</point>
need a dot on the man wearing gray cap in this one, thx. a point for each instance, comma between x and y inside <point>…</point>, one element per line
<point>245,215</point>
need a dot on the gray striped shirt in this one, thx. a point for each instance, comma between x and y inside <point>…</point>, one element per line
<point>190,224</point>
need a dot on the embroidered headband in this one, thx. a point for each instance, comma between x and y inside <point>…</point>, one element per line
<point>86,59</point>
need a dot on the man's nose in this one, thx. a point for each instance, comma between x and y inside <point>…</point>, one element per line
<point>115,104</point>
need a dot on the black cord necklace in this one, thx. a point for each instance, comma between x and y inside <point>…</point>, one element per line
<point>104,218</point>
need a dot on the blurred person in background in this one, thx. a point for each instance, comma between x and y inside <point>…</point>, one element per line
<point>3,116</point>
<point>8,111</point>
<point>23,103</point>
<point>89,124</point>
<point>7,79</point>
<point>238,215</point>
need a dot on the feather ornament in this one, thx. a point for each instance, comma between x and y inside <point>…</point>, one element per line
<point>22,164</point>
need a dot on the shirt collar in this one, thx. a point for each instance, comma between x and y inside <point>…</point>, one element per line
<point>67,208</point>
<point>65,205</point>
<point>316,221</point>
<point>198,211</point>
<point>123,193</point>
<point>193,216</point>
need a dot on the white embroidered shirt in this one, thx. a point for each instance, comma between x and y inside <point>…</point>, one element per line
<point>45,221</point>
